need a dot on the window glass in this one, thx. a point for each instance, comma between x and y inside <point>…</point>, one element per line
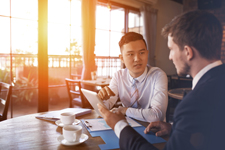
<point>102,17</point>
<point>59,11</point>
<point>5,35</point>
<point>76,40</point>
<point>4,49</point>
<point>102,43</point>
<point>141,25</point>
<point>64,47</point>
<point>24,36</point>
<point>110,26</point>
<point>26,9</point>
<point>117,19</point>
<point>24,44</point>
<point>4,69</point>
<point>76,13</point>
<point>114,46</point>
<point>134,24</point>
<point>5,7</point>
<point>58,39</point>
<point>64,34</point>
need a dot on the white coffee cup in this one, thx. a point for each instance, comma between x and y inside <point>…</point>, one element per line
<point>72,133</point>
<point>67,118</point>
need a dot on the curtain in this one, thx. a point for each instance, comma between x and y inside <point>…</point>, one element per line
<point>149,27</point>
<point>88,8</point>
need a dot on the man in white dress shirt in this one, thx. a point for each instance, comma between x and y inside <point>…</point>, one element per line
<point>141,88</point>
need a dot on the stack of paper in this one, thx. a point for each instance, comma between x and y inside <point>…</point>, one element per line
<point>55,115</point>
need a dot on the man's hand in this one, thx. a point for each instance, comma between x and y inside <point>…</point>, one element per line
<point>110,118</point>
<point>162,128</point>
<point>120,109</point>
<point>105,93</point>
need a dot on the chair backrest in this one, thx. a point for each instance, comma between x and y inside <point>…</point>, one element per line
<point>74,89</point>
<point>76,76</point>
<point>5,91</point>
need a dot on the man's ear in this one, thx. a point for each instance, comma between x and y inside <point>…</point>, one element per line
<point>121,57</point>
<point>189,52</point>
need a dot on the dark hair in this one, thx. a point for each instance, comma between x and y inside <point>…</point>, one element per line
<point>129,37</point>
<point>198,29</point>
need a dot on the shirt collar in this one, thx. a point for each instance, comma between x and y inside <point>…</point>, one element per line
<point>140,78</point>
<point>203,71</point>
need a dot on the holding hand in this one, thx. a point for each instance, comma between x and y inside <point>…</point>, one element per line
<point>105,93</point>
<point>121,109</point>
<point>162,128</point>
<point>110,117</point>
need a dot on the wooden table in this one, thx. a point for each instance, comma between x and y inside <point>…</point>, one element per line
<point>178,93</point>
<point>28,132</point>
<point>98,82</point>
<point>174,95</point>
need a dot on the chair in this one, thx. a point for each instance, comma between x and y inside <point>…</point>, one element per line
<point>76,76</point>
<point>5,91</point>
<point>74,91</point>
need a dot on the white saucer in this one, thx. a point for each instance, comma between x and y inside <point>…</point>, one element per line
<point>59,123</point>
<point>63,141</point>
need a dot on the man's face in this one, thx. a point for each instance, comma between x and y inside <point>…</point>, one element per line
<point>178,57</point>
<point>135,57</point>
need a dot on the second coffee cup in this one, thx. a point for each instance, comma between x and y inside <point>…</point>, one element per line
<point>67,118</point>
<point>72,133</point>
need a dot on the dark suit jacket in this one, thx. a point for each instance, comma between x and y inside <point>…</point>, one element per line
<point>199,119</point>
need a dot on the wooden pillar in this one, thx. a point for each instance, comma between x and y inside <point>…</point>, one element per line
<point>42,55</point>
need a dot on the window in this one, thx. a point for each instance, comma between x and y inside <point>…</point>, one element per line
<point>18,49</point>
<point>110,25</point>
<point>135,22</point>
<point>19,44</point>
<point>64,47</point>
<point>112,22</point>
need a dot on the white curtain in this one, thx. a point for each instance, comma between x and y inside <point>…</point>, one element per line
<point>149,27</point>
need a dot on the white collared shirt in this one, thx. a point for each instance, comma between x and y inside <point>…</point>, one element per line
<point>153,98</point>
<point>152,88</point>
<point>203,71</point>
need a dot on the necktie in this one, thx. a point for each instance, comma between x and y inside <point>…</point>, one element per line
<point>134,93</point>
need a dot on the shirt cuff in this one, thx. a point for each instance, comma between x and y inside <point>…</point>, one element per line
<point>128,112</point>
<point>120,125</point>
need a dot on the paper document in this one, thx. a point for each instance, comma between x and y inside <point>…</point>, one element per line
<point>100,124</point>
<point>55,115</point>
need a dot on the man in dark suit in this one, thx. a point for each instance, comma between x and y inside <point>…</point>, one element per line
<point>194,40</point>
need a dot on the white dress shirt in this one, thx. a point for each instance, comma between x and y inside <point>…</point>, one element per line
<point>203,71</point>
<point>152,88</point>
